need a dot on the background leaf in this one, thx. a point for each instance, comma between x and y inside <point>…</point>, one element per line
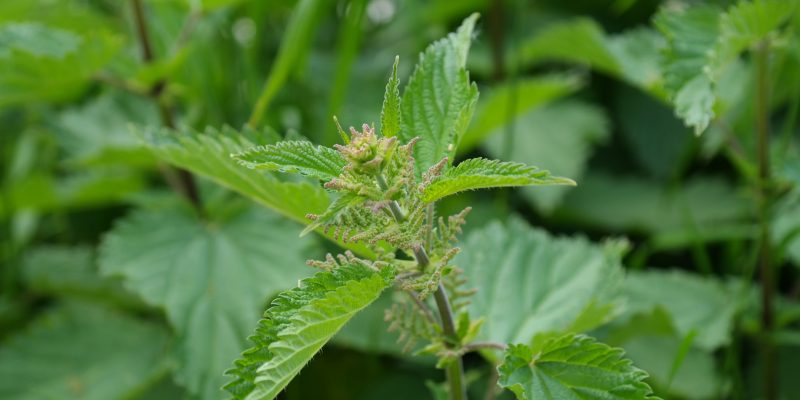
<point>42,63</point>
<point>507,102</point>
<point>72,271</point>
<point>691,35</point>
<point>98,133</point>
<point>529,282</point>
<point>694,303</point>
<point>82,351</point>
<point>210,276</point>
<point>652,342</point>
<point>558,137</point>
<point>702,209</point>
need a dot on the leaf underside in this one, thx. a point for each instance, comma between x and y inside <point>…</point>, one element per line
<point>480,173</point>
<point>298,323</point>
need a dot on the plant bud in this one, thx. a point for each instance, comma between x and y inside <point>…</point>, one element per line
<point>366,152</point>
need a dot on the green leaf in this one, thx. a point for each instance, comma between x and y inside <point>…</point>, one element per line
<point>37,39</point>
<point>580,127</point>
<point>303,157</point>
<point>691,35</point>
<point>695,304</point>
<point>529,282</point>
<point>572,367</point>
<point>40,192</point>
<point>298,323</point>
<point>98,133</point>
<point>390,112</point>
<point>439,99</point>
<point>631,56</point>
<point>744,25</point>
<point>71,271</point>
<point>82,351</point>
<point>480,173</point>
<point>580,41</point>
<point>694,103</point>
<point>639,53</point>
<point>210,276</point>
<point>702,209</point>
<point>652,342</point>
<point>209,154</point>
<point>509,101</point>
<point>40,63</point>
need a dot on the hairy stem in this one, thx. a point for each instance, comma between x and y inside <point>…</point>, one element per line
<point>764,262</point>
<point>474,346</point>
<point>455,370</point>
<point>181,181</point>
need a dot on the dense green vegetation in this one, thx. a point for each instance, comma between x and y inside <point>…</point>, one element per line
<point>184,205</point>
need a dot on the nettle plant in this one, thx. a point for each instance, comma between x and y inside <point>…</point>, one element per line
<point>386,184</point>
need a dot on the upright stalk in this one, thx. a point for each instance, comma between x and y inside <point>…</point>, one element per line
<point>455,370</point>
<point>764,262</point>
<point>182,181</point>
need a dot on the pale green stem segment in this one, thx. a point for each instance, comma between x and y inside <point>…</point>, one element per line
<point>763,183</point>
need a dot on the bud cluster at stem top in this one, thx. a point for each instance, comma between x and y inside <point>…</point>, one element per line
<point>367,153</point>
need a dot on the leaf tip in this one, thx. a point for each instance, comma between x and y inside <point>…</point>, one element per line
<point>342,134</point>
<point>567,182</point>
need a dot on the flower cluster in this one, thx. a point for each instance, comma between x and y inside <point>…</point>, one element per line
<point>366,153</point>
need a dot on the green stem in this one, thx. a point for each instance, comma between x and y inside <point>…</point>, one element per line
<point>765,267</point>
<point>455,370</point>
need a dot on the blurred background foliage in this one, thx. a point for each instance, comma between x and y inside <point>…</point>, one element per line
<point>113,287</point>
